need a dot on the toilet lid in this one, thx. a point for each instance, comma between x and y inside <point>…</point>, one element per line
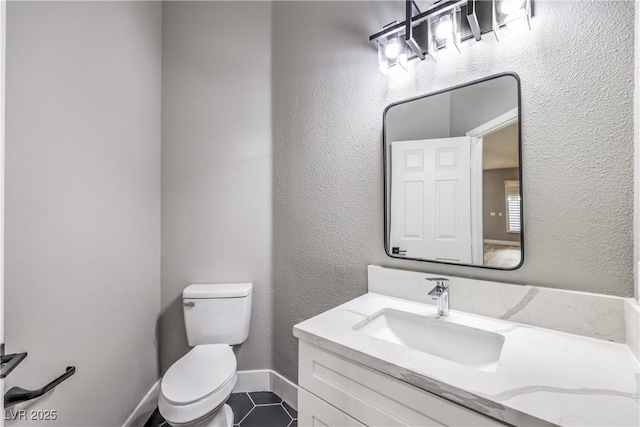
<point>202,371</point>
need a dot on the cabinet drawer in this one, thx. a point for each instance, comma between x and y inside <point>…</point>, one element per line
<point>377,399</point>
<point>316,412</point>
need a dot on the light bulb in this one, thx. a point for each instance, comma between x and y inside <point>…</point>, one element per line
<point>444,28</point>
<point>392,49</point>
<point>511,7</point>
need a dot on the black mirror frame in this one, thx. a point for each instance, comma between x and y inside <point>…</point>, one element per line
<point>387,178</point>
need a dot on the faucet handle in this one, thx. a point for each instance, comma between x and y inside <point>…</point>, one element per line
<point>441,282</point>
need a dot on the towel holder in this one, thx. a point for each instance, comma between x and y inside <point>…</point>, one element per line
<point>17,395</point>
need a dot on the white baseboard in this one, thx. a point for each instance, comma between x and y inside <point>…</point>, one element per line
<point>248,381</point>
<point>503,242</point>
<point>145,408</point>
<point>284,388</point>
<point>267,380</point>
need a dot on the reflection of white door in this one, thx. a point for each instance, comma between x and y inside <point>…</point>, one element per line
<point>430,199</point>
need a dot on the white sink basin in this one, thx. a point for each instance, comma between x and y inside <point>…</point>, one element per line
<point>438,337</point>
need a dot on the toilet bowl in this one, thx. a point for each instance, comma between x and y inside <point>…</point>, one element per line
<point>195,388</point>
<point>198,385</point>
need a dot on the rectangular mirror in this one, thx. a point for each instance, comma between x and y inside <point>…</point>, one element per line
<point>453,175</point>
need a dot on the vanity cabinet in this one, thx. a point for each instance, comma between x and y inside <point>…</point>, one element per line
<point>335,391</point>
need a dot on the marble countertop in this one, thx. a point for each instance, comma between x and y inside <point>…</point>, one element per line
<point>544,377</point>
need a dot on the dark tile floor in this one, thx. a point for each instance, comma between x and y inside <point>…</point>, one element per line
<point>257,409</point>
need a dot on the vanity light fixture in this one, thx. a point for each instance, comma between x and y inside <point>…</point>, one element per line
<point>512,13</point>
<point>392,52</point>
<point>444,31</point>
<point>442,27</point>
<point>472,19</point>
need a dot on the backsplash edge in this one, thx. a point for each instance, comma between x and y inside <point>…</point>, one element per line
<point>632,316</point>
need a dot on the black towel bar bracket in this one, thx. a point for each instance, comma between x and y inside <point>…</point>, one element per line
<point>17,395</point>
<point>8,363</point>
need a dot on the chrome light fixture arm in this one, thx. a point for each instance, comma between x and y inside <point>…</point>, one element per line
<point>409,39</point>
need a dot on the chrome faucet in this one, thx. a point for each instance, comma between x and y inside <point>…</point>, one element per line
<point>441,294</point>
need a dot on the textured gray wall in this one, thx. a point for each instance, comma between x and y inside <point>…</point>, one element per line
<point>216,163</point>
<point>577,89</point>
<point>83,204</point>
<point>493,200</point>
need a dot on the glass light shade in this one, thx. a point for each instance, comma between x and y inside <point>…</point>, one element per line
<point>510,13</point>
<point>444,31</point>
<point>393,53</point>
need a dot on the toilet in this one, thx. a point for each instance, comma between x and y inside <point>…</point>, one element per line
<point>194,390</point>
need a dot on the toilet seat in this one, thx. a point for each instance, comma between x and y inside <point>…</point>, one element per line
<point>198,383</point>
<point>202,371</point>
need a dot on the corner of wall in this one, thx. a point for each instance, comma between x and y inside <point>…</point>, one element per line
<point>216,170</point>
<point>636,196</point>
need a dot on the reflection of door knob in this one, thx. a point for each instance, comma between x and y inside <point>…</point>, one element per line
<point>189,304</point>
<point>397,251</point>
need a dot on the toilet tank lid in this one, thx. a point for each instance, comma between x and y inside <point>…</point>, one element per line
<point>217,290</point>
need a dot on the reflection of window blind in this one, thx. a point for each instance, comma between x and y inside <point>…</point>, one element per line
<point>512,193</point>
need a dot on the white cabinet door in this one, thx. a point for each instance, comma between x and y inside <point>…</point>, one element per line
<point>318,413</point>
<point>431,198</point>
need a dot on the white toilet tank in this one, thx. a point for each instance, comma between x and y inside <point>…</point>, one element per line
<point>217,313</point>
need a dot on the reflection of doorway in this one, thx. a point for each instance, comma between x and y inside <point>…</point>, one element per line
<point>495,159</point>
